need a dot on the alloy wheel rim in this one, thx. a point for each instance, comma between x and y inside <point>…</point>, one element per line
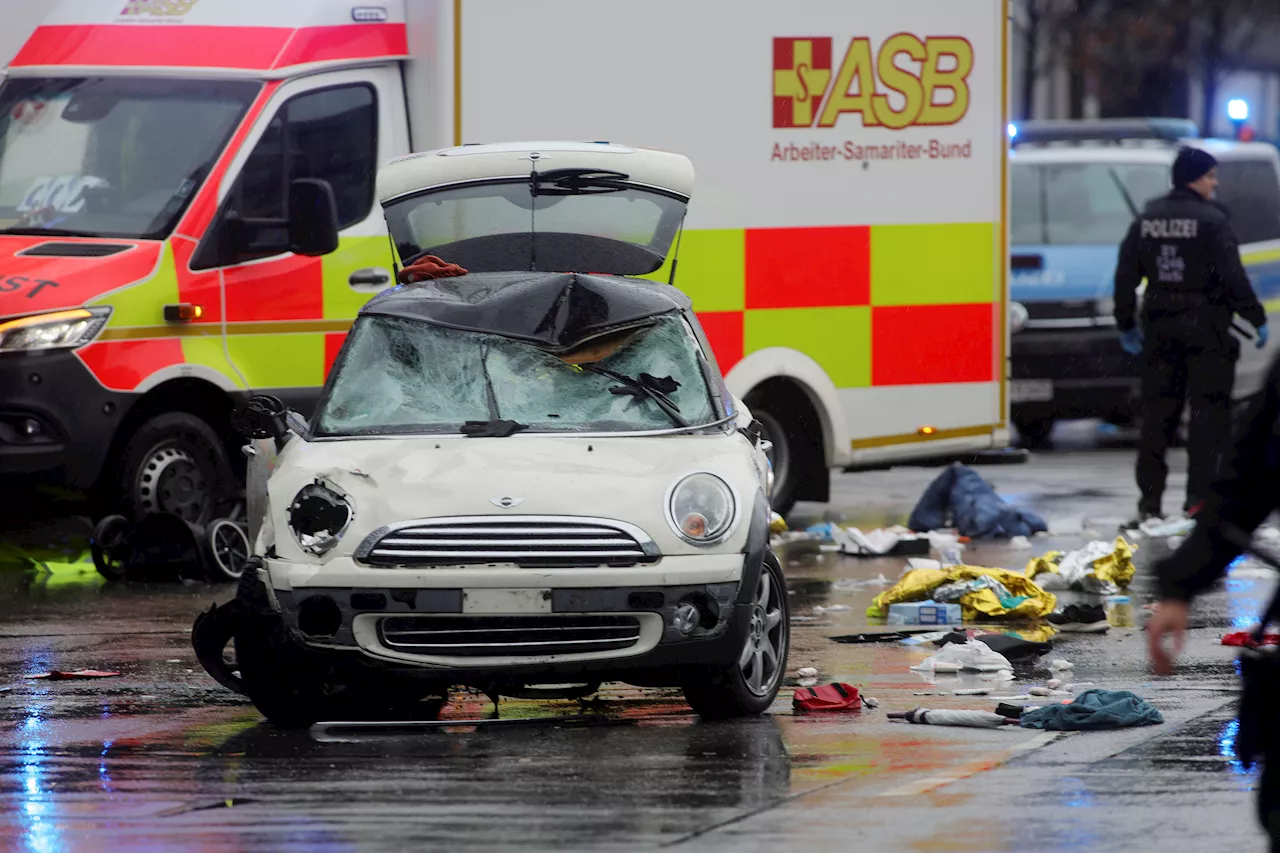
<point>763,652</point>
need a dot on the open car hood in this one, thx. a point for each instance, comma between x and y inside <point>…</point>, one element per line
<point>559,206</point>
<point>555,311</point>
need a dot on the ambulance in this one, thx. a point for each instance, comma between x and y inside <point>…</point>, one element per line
<point>846,255</point>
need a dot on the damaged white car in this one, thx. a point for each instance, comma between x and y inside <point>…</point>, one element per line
<point>514,477</point>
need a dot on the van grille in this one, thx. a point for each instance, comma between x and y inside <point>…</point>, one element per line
<point>508,636</point>
<point>527,541</point>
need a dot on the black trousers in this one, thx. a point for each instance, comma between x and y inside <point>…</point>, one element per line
<point>1185,358</point>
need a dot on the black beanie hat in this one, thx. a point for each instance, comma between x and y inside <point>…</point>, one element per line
<point>1192,165</point>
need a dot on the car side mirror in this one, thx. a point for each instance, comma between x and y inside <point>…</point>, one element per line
<point>313,217</point>
<point>263,416</point>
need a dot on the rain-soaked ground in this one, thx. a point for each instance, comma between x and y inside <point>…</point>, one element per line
<point>162,758</point>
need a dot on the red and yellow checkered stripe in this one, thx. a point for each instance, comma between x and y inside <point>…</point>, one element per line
<point>873,305</point>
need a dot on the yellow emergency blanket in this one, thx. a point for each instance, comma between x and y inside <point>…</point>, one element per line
<point>919,584</point>
<point>1116,567</point>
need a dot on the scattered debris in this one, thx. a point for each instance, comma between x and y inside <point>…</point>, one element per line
<point>871,701</point>
<point>1080,619</point>
<point>62,675</point>
<point>1012,647</point>
<point>973,655</point>
<point>1053,683</point>
<point>1099,567</point>
<point>924,613</point>
<point>832,608</point>
<point>1059,665</point>
<point>1039,691</point>
<point>972,691</point>
<point>1025,600</point>
<point>1245,639</point>
<point>827,697</point>
<point>884,541</point>
<point>1094,710</point>
<point>807,672</point>
<point>970,719</point>
<point>1076,688</point>
<point>851,584</point>
<point>806,682</point>
<point>962,493</point>
<point>883,636</point>
<point>1020,543</point>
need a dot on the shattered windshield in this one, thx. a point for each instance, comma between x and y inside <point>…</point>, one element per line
<point>408,376</point>
<point>110,156</point>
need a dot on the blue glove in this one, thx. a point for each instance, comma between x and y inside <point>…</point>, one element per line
<point>1131,340</point>
<point>1264,335</point>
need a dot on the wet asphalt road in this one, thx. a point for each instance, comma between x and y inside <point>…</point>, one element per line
<point>162,758</point>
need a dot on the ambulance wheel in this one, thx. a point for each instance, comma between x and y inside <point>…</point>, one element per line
<point>749,684</point>
<point>174,463</point>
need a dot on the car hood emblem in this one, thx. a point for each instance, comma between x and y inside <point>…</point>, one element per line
<point>506,502</point>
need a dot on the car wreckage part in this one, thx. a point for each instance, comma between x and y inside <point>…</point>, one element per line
<point>110,546</point>
<point>229,550</point>
<point>319,516</point>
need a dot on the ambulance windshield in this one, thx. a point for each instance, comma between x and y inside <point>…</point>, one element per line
<point>110,156</point>
<point>569,220</point>
<point>399,376</point>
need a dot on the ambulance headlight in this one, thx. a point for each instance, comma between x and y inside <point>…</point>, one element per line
<point>701,509</point>
<point>318,516</point>
<point>55,330</point>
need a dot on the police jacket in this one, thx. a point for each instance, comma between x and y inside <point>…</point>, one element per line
<point>1185,248</point>
<point>1247,490</point>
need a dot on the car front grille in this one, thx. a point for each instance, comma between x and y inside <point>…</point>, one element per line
<point>527,541</point>
<point>508,636</point>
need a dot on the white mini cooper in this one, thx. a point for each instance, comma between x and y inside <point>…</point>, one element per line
<point>531,474</point>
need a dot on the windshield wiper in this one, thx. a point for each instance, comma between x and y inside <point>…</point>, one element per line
<point>652,387</point>
<point>37,231</point>
<point>495,427</point>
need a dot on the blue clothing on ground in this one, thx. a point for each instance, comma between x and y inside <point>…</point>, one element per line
<point>976,510</point>
<point>1094,710</point>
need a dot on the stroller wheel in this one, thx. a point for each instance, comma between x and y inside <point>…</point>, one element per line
<point>229,547</point>
<point>109,545</point>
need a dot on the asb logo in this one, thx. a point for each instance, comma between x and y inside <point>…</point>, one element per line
<point>166,8</point>
<point>911,81</point>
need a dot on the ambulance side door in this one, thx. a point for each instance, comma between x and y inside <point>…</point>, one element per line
<point>287,315</point>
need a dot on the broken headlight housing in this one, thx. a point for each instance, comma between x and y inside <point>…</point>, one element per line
<point>318,516</point>
<point>701,508</point>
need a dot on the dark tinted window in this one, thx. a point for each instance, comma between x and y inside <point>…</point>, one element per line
<point>330,134</point>
<point>1251,191</point>
<point>1064,204</point>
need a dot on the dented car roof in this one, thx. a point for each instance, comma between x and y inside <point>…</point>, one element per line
<point>555,311</point>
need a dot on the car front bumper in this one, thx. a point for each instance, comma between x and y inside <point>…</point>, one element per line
<point>1091,374</point>
<point>508,613</point>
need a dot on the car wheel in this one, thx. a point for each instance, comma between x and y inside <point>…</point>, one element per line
<point>750,683</point>
<point>1035,433</point>
<point>176,464</point>
<point>109,546</point>
<point>229,549</point>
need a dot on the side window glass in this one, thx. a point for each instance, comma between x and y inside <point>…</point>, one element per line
<point>1251,191</point>
<point>330,134</point>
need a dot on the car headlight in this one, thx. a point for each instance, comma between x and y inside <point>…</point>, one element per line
<point>701,508</point>
<point>56,330</point>
<point>318,516</point>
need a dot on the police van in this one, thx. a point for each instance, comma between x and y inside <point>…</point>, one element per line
<point>1074,189</point>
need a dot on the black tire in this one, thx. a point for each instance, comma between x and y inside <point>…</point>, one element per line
<point>729,692</point>
<point>229,551</point>
<point>796,452</point>
<point>1035,433</point>
<point>173,463</point>
<point>110,545</point>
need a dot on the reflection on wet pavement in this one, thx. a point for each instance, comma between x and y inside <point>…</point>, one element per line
<point>163,758</point>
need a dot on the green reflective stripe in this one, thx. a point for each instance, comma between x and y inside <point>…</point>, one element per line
<point>353,253</point>
<point>933,264</point>
<point>279,360</point>
<point>712,269</point>
<point>208,351</point>
<point>838,339</point>
<point>142,303</point>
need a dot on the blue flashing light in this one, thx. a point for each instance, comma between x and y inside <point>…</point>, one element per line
<point>1238,109</point>
<point>1012,130</point>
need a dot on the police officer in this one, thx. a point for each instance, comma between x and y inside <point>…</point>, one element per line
<point>1245,493</point>
<point>1183,245</point>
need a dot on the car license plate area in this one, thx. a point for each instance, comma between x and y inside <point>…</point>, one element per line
<point>506,600</point>
<point>1030,391</point>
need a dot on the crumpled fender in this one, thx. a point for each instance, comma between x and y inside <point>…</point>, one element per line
<point>210,633</point>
